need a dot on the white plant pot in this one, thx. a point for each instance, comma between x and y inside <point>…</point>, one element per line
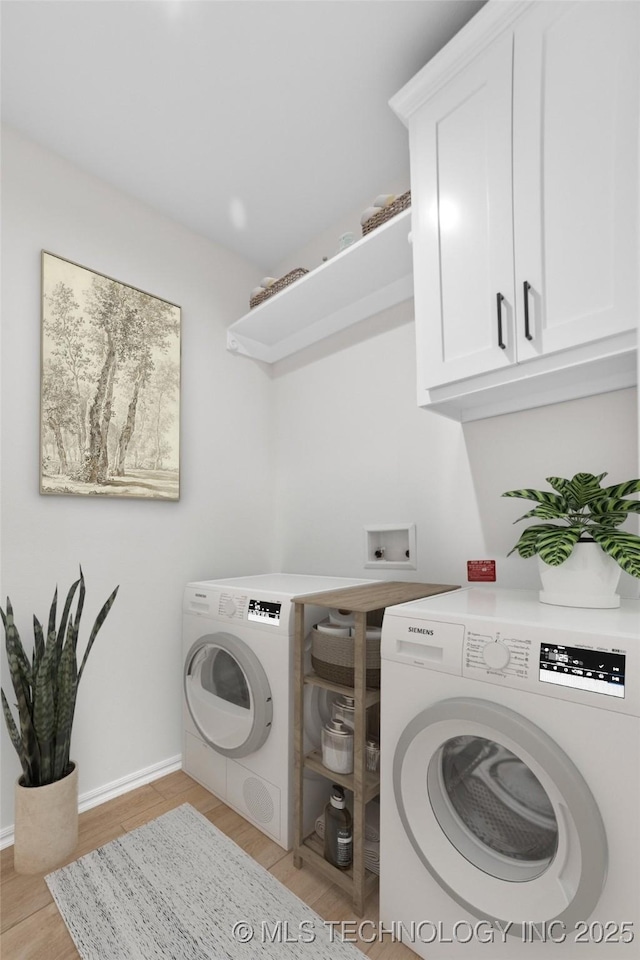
<point>46,828</point>
<point>588,578</point>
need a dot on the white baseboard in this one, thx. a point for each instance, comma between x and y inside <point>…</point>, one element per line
<point>93,798</point>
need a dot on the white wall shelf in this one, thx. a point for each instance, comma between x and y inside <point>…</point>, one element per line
<point>373,274</point>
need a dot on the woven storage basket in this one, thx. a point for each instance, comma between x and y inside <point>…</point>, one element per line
<point>399,204</point>
<point>332,658</point>
<point>277,286</point>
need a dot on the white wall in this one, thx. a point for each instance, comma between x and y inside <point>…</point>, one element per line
<point>354,449</point>
<point>129,701</point>
<point>280,470</point>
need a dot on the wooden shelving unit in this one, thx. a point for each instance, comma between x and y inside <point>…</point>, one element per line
<point>369,599</point>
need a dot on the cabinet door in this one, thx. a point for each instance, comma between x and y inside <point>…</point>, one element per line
<point>575,127</point>
<point>460,143</point>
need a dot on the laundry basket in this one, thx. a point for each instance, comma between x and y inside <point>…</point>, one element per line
<point>332,658</point>
<point>277,286</point>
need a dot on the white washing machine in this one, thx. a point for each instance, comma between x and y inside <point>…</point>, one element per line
<point>238,695</point>
<point>510,777</point>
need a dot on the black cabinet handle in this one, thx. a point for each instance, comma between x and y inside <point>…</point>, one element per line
<point>499,299</point>
<point>526,286</point>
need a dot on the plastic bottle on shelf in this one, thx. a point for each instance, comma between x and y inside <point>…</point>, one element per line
<point>338,830</point>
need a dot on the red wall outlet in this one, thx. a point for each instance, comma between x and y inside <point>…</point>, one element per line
<point>483,570</point>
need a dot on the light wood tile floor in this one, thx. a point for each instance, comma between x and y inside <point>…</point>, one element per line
<point>32,928</point>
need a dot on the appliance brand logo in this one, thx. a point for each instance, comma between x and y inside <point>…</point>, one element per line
<point>203,595</point>
<point>428,633</point>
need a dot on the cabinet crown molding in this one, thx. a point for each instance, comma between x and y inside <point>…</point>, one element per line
<point>492,20</point>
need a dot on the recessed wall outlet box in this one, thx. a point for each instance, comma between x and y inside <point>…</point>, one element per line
<point>390,545</point>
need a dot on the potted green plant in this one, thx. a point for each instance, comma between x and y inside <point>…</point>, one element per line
<point>580,551</point>
<point>46,687</point>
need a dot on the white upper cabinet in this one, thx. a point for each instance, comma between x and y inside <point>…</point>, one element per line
<point>523,137</point>
<point>460,145</point>
<point>575,172</point>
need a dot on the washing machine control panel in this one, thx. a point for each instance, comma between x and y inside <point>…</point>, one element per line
<point>601,671</point>
<point>588,670</point>
<point>497,652</point>
<point>504,654</point>
<point>509,639</point>
<point>496,655</point>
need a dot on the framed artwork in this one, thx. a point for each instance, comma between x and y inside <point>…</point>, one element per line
<point>110,387</point>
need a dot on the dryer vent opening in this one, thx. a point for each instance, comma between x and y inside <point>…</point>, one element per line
<point>258,800</point>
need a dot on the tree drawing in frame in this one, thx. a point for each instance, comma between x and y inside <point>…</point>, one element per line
<point>110,387</point>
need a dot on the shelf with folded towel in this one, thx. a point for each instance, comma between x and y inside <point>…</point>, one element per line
<point>371,275</point>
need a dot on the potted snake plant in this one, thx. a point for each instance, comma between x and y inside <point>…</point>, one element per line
<point>581,551</point>
<point>45,687</point>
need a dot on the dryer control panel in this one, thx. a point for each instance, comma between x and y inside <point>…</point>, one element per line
<point>235,607</point>
<point>264,611</point>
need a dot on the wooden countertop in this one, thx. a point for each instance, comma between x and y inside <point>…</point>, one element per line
<point>374,596</point>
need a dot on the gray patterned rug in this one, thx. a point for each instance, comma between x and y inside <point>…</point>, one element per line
<point>179,889</point>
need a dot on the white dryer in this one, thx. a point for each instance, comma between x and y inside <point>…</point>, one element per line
<point>510,777</point>
<point>237,659</point>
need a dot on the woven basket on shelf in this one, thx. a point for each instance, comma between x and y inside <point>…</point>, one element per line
<point>277,286</point>
<point>399,204</point>
<point>332,658</point>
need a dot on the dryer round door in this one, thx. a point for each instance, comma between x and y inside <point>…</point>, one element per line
<point>228,694</point>
<point>499,815</point>
<point>317,707</point>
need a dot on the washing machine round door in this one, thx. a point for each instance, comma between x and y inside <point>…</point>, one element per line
<point>228,694</point>
<point>499,815</point>
<point>317,713</point>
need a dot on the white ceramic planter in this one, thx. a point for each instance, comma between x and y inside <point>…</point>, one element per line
<point>588,578</point>
<point>46,828</point>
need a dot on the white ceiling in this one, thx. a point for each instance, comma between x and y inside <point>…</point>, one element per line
<point>257,123</point>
